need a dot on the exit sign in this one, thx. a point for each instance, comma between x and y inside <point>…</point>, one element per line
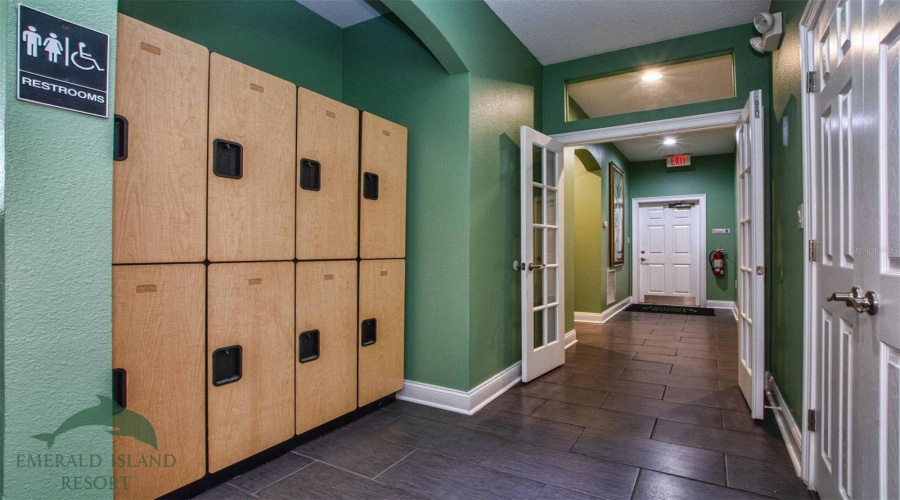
<point>678,161</point>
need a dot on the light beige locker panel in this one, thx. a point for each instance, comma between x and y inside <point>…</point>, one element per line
<point>250,349</point>
<point>382,188</point>
<point>159,367</point>
<point>252,129</point>
<point>328,169</point>
<point>326,340</point>
<point>159,176</point>
<point>381,323</point>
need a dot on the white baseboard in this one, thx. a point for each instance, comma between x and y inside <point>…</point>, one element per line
<point>723,304</point>
<point>570,339</point>
<point>467,403</point>
<point>587,317</point>
<point>790,431</point>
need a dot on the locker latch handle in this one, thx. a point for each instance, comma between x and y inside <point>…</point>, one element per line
<point>370,186</point>
<point>119,390</point>
<point>228,159</point>
<point>310,175</point>
<point>227,366</point>
<point>368,334</point>
<point>120,138</point>
<point>309,346</point>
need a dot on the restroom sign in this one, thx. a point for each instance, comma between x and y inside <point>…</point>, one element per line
<point>62,64</point>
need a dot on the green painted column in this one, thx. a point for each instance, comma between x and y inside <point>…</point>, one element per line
<point>56,211</point>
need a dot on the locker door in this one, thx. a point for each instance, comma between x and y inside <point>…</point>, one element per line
<point>250,353</point>
<point>328,163</point>
<point>159,179</point>
<point>252,124</point>
<point>326,339</point>
<point>381,321</point>
<point>158,343</point>
<point>382,207</point>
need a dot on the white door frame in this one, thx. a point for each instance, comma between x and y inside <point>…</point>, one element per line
<point>699,258</point>
<point>809,280</point>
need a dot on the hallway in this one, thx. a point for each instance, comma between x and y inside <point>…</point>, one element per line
<point>646,406</point>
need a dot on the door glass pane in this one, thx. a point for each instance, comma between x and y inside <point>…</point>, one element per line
<point>538,198</point>
<point>538,328</point>
<point>551,324</point>
<point>538,246</point>
<point>551,207</point>
<point>551,168</point>
<point>537,161</point>
<point>551,285</point>
<point>538,287</point>
<point>551,246</point>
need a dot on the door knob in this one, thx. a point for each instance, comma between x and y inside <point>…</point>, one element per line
<point>643,259</point>
<point>532,266</point>
<point>859,302</point>
<point>643,252</point>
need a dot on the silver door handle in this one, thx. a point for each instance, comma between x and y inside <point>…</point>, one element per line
<point>861,303</point>
<point>532,266</point>
<point>643,259</point>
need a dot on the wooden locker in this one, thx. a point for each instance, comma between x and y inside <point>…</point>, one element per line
<point>382,187</point>
<point>252,129</point>
<point>326,340</point>
<point>328,169</point>
<point>158,342</point>
<point>381,298</point>
<point>250,349</point>
<point>159,179</point>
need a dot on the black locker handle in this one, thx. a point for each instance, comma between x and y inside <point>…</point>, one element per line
<point>228,159</point>
<point>370,186</point>
<point>119,389</point>
<point>120,138</point>
<point>309,346</point>
<point>369,333</point>
<point>227,365</point>
<point>310,175</point>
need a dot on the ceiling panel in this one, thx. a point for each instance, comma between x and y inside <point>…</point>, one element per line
<point>345,13</point>
<point>696,143</point>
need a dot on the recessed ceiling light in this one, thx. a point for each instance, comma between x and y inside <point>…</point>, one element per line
<point>670,141</point>
<point>651,76</point>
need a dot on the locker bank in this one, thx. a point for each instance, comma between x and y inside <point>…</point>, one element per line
<point>499,249</point>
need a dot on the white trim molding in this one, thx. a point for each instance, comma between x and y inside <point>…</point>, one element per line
<point>588,317</point>
<point>571,338</point>
<point>699,259</point>
<point>467,403</point>
<point>671,125</point>
<point>723,304</point>
<point>790,431</point>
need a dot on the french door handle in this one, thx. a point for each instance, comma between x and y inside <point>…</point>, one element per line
<point>861,303</point>
<point>532,266</point>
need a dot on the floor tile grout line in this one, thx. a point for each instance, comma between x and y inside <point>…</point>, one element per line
<point>311,461</point>
<point>395,463</point>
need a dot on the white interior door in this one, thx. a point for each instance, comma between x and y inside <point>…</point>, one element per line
<point>669,239</point>
<point>854,48</point>
<point>751,254</point>
<point>541,189</point>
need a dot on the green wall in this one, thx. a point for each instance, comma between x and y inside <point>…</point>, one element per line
<point>785,358</point>
<point>57,237</point>
<point>280,37</point>
<point>751,73</point>
<point>710,175</point>
<point>386,71</point>
<point>590,240</point>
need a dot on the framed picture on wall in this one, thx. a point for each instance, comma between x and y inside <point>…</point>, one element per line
<point>616,216</point>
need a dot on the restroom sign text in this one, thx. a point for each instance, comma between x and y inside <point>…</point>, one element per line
<point>62,64</point>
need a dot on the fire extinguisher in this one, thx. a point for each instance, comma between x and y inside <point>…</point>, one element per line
<point>717,262</point>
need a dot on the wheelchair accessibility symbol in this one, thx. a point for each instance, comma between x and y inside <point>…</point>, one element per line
<point>84,58</point>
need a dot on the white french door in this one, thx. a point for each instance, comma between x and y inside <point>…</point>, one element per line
<point>669,246</point>
<point>541,189</point>
<point>854,117</point>
<point>751,254</point>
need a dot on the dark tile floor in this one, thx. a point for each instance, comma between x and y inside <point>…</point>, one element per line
<point>646,407</point>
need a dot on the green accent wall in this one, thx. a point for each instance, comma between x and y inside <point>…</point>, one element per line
<point>280,37</point>
<point>590,198</point>
<point>785,358</point>
<point>710,175</point>
<point>56,207</point>
<point>387,72</point>
<point>751,73</point>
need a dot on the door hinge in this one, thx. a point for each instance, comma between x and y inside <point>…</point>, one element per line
<point>811,420</point>
<point>812,250</point>
<point>811,81</point>
<point>756,107</point>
